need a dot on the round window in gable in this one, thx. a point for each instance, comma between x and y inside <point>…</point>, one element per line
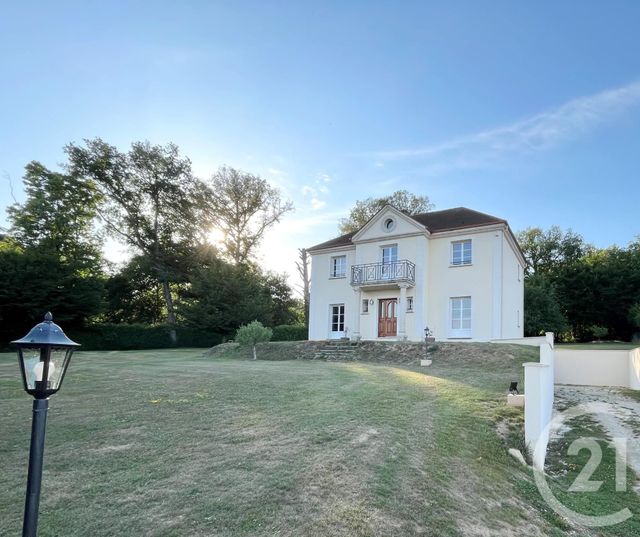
<point>389,224</point>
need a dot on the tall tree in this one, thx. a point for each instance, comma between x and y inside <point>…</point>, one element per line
<point>546,251</point>
<point>134,295</point>
<point>51,258</point>
<point>542,311</point>
<point>152,202</point>
<point>243,206</point>
<point>302,265</point>
<point>58,215</point>
<point>401,199</point>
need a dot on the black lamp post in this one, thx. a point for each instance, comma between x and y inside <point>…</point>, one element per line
<point>44,355</point>
<point>428,338</point>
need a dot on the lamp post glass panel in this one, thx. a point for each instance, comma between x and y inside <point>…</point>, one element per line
<point>43,355</point>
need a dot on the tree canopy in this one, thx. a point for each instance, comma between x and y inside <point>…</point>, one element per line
<point>51,257</point>
<point>401,199</point>
<point>147,197</point>
<point>569,283</point>
<point>243,206</point>
<point>151,200</point>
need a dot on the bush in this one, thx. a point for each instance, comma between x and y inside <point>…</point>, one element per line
<point>634,315</point>
<point>290,332</point>
<point>598,331</point>
<point>106,337</point>
<point>252,334</point>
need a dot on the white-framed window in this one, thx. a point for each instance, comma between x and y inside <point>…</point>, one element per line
<point>365,305</point>
<point>389,257</point>
<point>409,304</point>
<point>461,253</point>
<point>389,253</point>
<point>519,273</point>
<point>518,316</point>
<point>460,315</point>
<point>337,319</point>
<point>338,267</point>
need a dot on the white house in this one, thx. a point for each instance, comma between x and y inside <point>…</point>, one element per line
<point>459,272</point>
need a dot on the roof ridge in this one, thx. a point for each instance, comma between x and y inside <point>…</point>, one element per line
<point>457,219</point>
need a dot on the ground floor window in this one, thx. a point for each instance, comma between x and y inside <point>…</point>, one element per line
<point>460,309</point>
<point>409,303</point>
<point>337,318</point>
<point>365,305</point>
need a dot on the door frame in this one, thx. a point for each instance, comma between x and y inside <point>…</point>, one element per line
<point>380,309</point>
<point>338,334</point>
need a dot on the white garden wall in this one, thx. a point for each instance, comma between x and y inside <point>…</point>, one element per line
<point>598,367</point>
<point>539,398</point>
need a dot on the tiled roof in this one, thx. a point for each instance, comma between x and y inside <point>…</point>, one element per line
<point>449,219</point>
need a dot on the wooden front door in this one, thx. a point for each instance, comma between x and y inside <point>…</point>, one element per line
<point>388,317</point>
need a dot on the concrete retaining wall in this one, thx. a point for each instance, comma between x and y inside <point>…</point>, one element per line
<point>539,397</point>
<point>598,367</point>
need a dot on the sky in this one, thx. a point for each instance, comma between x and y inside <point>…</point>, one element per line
<point>529,111</point>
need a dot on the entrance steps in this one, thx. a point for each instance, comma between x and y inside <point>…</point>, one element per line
<point>341,350</point>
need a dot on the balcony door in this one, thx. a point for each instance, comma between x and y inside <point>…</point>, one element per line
<point>389,259</point>
<point>388,317</point>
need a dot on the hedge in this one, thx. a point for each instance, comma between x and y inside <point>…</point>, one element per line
<point>290,332</point>
<point>106,337</point>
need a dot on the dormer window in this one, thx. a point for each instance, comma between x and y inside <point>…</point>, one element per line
<point>461,253</point>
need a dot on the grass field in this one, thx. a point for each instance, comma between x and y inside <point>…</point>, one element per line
<point>172,443</point>
<point>602,346</point>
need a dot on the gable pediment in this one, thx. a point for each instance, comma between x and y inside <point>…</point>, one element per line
<point>387,223</point>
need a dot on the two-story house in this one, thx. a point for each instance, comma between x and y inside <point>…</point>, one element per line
<point>458,271</point>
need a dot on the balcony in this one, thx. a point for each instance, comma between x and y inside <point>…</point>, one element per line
<point>384,274</point>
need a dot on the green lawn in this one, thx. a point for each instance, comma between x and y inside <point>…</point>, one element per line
<point>171,443</point>
<point>602,346</point>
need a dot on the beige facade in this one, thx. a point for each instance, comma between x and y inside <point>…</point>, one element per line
<point>395,277</point>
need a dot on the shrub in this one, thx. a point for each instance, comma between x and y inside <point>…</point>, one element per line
<point>105,336</point>
<point>290,332</point>
<point>634,315</point>
<point>252,334</point>
<point>598,331</point>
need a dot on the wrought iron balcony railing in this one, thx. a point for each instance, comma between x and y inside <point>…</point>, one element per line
<point>402,271</point>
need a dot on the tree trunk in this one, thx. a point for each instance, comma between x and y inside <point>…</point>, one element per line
<point>171,314</point>
<point>255,356</point>
<point>303,270</point>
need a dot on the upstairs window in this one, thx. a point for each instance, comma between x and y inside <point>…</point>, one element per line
<point>338,267</point>
<point>461,253</point>
<point>389,253</point>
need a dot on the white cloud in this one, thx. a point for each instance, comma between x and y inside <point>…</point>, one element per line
<point>275,171</point>
<point>308,191</point>
<point>317,204</point>
<point>540,132</point>
<point>324,177</point>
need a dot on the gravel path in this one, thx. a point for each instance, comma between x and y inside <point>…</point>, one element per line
<point>616,412</point>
